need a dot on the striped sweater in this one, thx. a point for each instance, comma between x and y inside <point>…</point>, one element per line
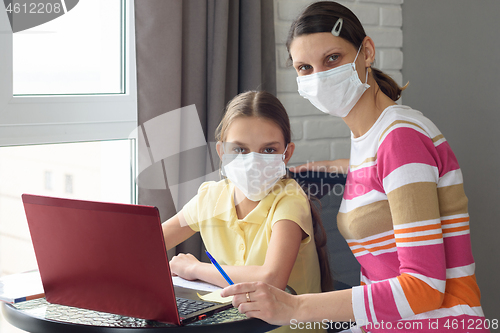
<point>404,215</point>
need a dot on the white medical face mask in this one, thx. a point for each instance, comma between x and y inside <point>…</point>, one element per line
<point>253,173</point>
<point>334,91</point>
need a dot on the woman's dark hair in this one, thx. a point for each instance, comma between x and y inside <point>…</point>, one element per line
<point>321,17</point>
<point>265,105</point>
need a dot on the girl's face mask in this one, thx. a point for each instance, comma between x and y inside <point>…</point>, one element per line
<point>254,174</point>
<point>334,91</point>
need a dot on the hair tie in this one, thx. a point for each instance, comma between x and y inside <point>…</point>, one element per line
<point>337,27</point>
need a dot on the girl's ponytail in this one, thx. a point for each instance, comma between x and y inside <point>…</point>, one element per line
<point>320,239</point>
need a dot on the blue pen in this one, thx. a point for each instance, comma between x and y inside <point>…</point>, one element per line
<point>216,264</point>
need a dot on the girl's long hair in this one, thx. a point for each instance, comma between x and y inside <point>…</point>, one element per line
<point>265,105</point>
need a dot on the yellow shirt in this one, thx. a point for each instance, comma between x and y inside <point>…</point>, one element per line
<point>237,242</point>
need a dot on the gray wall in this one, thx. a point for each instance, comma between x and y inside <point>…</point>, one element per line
<point>452,60</point>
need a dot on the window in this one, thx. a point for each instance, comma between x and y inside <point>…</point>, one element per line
<point>79,52</point>
<point>59,145</point>
<point>68,184</point>
<point>81,114</point>
<point>67,139</point>
<point>48,179</point>
<point>85,170</point>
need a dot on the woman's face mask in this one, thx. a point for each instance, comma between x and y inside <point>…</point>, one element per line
<point>334,91</point>
<point>254,174</point>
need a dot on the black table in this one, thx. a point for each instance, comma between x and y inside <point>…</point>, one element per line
<point>39,316</point>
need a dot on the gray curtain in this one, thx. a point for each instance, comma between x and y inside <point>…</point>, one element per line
<point>201,53</point>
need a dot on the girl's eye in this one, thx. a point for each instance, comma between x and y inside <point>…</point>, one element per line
<point>238,150</point>
<point>269,150</point>
<point>304,68</point>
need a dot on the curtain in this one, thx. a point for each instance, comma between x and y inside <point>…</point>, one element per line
<point>193,56</point>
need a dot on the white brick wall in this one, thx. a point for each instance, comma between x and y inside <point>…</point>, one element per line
<point>319,136</point>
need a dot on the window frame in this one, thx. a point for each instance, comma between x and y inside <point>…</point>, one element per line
<point>42,119</point>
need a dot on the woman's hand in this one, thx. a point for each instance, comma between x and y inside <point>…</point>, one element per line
<point>184,265</point>
<point>265,302</point>
<point>335,166</point>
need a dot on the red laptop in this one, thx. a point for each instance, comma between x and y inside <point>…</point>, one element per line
<point>108,257</point>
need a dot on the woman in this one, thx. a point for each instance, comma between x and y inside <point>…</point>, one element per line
<point>404,211</point>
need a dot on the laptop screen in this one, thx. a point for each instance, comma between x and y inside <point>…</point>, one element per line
<point>102,256</point>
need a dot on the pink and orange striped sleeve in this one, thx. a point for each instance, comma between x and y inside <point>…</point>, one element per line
<point>428,207</point>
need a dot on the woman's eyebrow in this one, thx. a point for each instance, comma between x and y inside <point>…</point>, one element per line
<point>326,53</point>
<point>332,50</point>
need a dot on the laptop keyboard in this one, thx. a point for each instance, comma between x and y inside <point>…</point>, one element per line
<point>188,306</point>
<point>40,308</point>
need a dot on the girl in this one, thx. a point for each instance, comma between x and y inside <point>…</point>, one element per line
<point>257,224</point>
<point>404,211</point>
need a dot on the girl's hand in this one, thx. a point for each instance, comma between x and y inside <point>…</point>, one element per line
<point>268,303</point>
<point>184,265</point>
<point>335,166</point>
